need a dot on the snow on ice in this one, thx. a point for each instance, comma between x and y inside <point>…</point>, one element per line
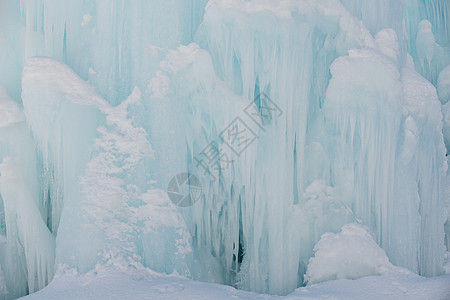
<point>316,133</point>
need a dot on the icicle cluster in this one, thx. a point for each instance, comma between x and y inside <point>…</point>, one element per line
<point>343,107</point>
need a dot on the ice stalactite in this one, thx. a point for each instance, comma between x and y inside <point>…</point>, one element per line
<point>366,130</point>
<point>27,234</point>
<point>364,124</point>
<point>119,40</point>
<point>400,189</point>
<point>339,128</point>
<point>64,149</point>
<point>28,249</point>
<point>427,164</point>
<point>289,63</point>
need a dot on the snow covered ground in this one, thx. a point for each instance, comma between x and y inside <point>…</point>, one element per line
<point>114,285</point>
<point>337,256</point>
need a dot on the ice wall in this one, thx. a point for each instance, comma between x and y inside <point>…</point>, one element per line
<point>119,40</point>
<point>365,145</point>
<point>103,211</point>
<point>287,58</point>
<point>338,101</point>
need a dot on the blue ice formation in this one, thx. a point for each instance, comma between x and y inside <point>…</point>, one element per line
<point>342,109</point>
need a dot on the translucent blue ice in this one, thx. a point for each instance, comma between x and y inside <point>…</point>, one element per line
<point>343,107</point>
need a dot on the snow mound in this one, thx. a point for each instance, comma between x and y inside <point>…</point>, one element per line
<point>350,254</point>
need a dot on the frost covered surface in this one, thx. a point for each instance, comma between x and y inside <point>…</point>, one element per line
<point>346,103</point>
<point>108,284</point>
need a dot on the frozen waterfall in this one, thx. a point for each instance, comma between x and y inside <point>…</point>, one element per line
<point>298,126</point>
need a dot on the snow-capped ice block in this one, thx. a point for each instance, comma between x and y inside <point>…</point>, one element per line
<point>349,254</point>
<point>367,121</point>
